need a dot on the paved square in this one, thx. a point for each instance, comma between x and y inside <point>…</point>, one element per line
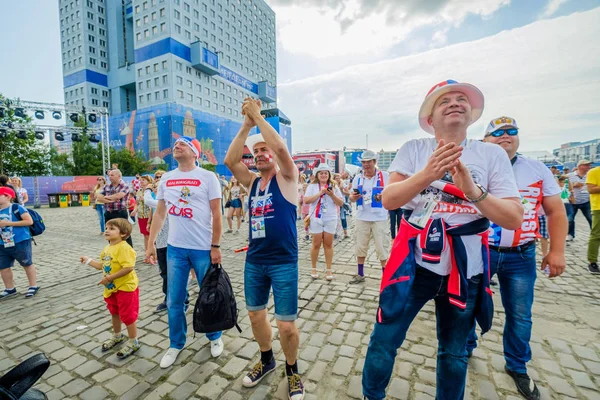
<point>68,320</point>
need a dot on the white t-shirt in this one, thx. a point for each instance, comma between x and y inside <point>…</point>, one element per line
<point>535,181</point>
<point>366,212</point>
<point>187,196</point>
<point>489,166</point>
<point>329,210</point>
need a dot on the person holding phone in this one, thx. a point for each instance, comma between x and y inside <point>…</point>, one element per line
<point>372,217</point>
<point>325,198</point>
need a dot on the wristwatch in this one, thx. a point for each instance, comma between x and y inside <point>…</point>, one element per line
<point>215,246</point>
<point>484,194</point>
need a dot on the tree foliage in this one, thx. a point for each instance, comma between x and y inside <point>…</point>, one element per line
<point>22,157</point>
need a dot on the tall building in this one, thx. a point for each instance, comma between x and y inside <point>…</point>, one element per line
<point>181,61</point>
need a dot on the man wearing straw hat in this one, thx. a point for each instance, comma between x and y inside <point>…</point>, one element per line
<point>451,187</point>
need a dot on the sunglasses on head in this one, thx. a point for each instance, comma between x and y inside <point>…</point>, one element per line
<point>501,132</point>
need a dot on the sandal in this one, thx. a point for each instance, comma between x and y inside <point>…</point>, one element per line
<point>112,342</point>
<point>32,291</point>
<point>314,274</point>
<point>129,349</point>
<point>329,275</point>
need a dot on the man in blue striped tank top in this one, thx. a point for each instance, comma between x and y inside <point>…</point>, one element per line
<point>272,259</point>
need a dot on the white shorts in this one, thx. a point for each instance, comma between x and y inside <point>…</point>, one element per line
<point>317,225</point>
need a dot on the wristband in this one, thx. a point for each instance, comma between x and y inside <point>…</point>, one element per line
<point>484,194</point>
<point>88,261</point>
<point>215,246</point>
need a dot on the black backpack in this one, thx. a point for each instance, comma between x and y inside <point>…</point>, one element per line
<point>215,309</point>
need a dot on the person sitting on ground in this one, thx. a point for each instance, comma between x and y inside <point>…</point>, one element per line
<point>121,292</point>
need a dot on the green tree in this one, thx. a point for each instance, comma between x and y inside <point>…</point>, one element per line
<point>87,157</point>
<point>209,167</point>
<point>60,164</point>
<point>25,157</point>
<point>130,163</point>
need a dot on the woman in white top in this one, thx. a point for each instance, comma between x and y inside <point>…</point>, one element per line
<point>235,197</point>
<point>324,198</point>
<point>21,191</point>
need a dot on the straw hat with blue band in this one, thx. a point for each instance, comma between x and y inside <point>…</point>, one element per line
<point>473,94</point>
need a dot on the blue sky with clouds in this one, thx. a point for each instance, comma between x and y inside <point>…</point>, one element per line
<point>384,55</point>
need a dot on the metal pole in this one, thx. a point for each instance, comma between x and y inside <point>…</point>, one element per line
<point>367,141</point>
<point>104,168</point>
<point>107,143</point>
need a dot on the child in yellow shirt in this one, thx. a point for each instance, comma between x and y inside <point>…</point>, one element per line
<point>120,281</point>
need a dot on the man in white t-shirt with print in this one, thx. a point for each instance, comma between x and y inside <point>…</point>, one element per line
<point>512,252</point>
<point>451,186</point>
<point>371,216</point>
<point>191,197</point>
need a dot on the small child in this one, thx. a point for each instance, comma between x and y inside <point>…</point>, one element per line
<point>15,244</point>
<point>120,281</point>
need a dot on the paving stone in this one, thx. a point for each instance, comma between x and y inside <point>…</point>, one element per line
<point>487,390</point>
<point>586,352</point>
<point>423,350</point>
<point>135,392</point>
<point>73,362</point>
<point>399,389</point>
<point>94,393</point>
<point>234,367</point>
<point>105,375</point>
<point>203,372</point>
<point>343,366</point>
<point>75,387</point>
<point>260,393</point>
<point>317,372</point>
<point>142,366</point>
<point>561,386</point>
<point>160,392</point>
<point>328,353</point>
<point>213,388</point>
<point>55,394</point>
<point>582,379</point>
<point>355,387</point>
<point>568,361</point>
<point>231,395</point>
<point>182,373</point>
<point>60,379</point>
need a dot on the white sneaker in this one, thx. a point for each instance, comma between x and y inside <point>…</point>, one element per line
<point>169,357</point>
<point>216,347</point>
<point>570,238</point>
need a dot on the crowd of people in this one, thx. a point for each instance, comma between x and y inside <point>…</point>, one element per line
<point>460,211</point>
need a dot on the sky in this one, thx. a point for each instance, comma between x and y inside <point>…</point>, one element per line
<point>349,70</point>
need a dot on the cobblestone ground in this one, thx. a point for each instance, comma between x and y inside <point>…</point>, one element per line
<point>68,320</point>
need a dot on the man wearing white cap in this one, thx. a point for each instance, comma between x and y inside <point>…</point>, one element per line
<point>371,217</point>
<point>512,252</point>
<point>272,258</point>
<point>192,198</point>
<point>450,186</point>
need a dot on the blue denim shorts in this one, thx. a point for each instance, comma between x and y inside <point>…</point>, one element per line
<point>237,203</point>
<point>258,280</point>
<point>20,251</point>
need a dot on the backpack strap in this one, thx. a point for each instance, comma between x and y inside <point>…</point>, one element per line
<point>15,210</point>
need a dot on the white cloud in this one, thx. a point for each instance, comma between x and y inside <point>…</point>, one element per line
<point>348,27</point>
<point>543,74</point>
<point>552,7</point>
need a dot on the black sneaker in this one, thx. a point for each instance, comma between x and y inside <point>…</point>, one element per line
<point>259,371</point>
<point>295,387</point>
<point>525,385</point>
<point>162,307</point>
<point>593,267</point>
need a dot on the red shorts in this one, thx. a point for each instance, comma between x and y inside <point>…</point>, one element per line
<point>124,304</point>
<point>143,223</point>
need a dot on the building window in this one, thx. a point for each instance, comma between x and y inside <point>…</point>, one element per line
<point>162,12</point>
<point>165,93</point>
<point>147,69</point>
<point>180,94</point>
<point>163,27</point>
<point>156,95</point>
<point>164,65</point>
<point>179,80</point>
<point>156,81</point>
<point>165,79</point>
